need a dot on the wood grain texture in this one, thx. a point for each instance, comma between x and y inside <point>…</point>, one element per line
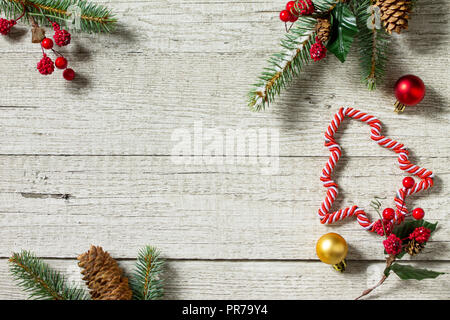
<point>266,280</point>
<point>91,161</point>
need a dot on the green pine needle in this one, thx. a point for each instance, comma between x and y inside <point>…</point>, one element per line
<point>40,281</point>
<point>373,45</point>
<point>94,17</point>
<point>146,282</point>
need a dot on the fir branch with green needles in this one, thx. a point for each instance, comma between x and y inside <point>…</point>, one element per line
<point>373,43</point>
<point>93,18</point>
<point>40,281</point>
<point>286,65</point>
<point>146,282</point>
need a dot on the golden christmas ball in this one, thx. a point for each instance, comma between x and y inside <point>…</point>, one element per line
<point>331,248</point>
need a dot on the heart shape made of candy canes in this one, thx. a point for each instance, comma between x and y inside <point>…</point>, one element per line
<point>425,175</point>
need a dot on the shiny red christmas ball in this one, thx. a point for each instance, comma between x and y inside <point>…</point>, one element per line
<point>285,16</point>
<point>69,74</point>
<point>61,63</point>
<point>418,213</point>
<point>408,182</point>
<point>409,90</point>
<point>47,43</point>
<point>388,213</point>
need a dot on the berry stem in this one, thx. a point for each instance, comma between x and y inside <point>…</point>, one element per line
<point>389,262</point>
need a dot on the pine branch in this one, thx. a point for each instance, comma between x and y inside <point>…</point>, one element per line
<point>286,65</point>
<point>373,44</point>
<point>94,17</point>
<point>41,282</point>
<point>146,281</point>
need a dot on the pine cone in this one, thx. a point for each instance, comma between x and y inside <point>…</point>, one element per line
<point>103,276</point>
<point>323,29</point>
<point>394,14</point>
<point>414,247</point>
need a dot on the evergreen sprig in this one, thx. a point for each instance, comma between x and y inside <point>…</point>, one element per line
<point>146,282</point>
<point>94,17</point>
<point>373,44</point>
<point>40,281</point>
<point>285,65</point>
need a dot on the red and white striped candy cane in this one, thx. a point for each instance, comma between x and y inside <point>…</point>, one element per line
<point>401,211</point>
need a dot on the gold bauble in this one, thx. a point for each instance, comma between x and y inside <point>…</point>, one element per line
<point>331,248</point>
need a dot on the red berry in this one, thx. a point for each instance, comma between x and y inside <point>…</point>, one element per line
<point>408,182</point>
<point>285,16</point>
<point>290,6</point>
<point>69,74</point>
<point>47,43</point>
<point>418,213</point>
<point>293,18</point>
<point>61,63</point>
<point>388,213</point>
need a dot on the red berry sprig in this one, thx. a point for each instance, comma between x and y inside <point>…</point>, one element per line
<point>6,25</point>
<point>62,38</point>
<point>294,9</point>
<point>388,214</point>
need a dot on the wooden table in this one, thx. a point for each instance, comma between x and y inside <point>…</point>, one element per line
<point>91,162</point>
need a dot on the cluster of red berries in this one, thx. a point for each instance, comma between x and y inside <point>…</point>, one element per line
<point>318,50</point>
<point>393,244</point>
<point>46,66</point>
<point>6,25</point>
<point>420,235</point>
<point>294,9</point>
<point>381,226</point>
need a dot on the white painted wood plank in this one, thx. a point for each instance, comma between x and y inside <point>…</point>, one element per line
<point>132,96</point>
<point>229,211</point>
<point>268,280</point>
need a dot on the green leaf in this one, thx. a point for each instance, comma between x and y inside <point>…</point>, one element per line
<point>408,272</point>
<point>405,229</point>
<point>344,31</point>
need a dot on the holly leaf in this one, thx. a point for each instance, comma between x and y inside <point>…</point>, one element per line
<point>408,272</point>
<point>404,230</point>
<point>344,31</point>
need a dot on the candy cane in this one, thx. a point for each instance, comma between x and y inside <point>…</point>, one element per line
<point>401,211</point>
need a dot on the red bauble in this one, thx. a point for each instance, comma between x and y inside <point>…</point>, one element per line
<point>388,213</point>
<point>408,182</point>
<point>418,213</point>
<point>409,90</point>
<point>285,16</point>
<point>69,74</point>
<point>61,63</point>
<point>47,43</point>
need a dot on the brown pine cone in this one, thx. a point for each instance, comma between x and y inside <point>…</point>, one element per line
<point>414,247</point>
<point>394,14</point>
<point>323,29</point>
<point>103,276</point>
